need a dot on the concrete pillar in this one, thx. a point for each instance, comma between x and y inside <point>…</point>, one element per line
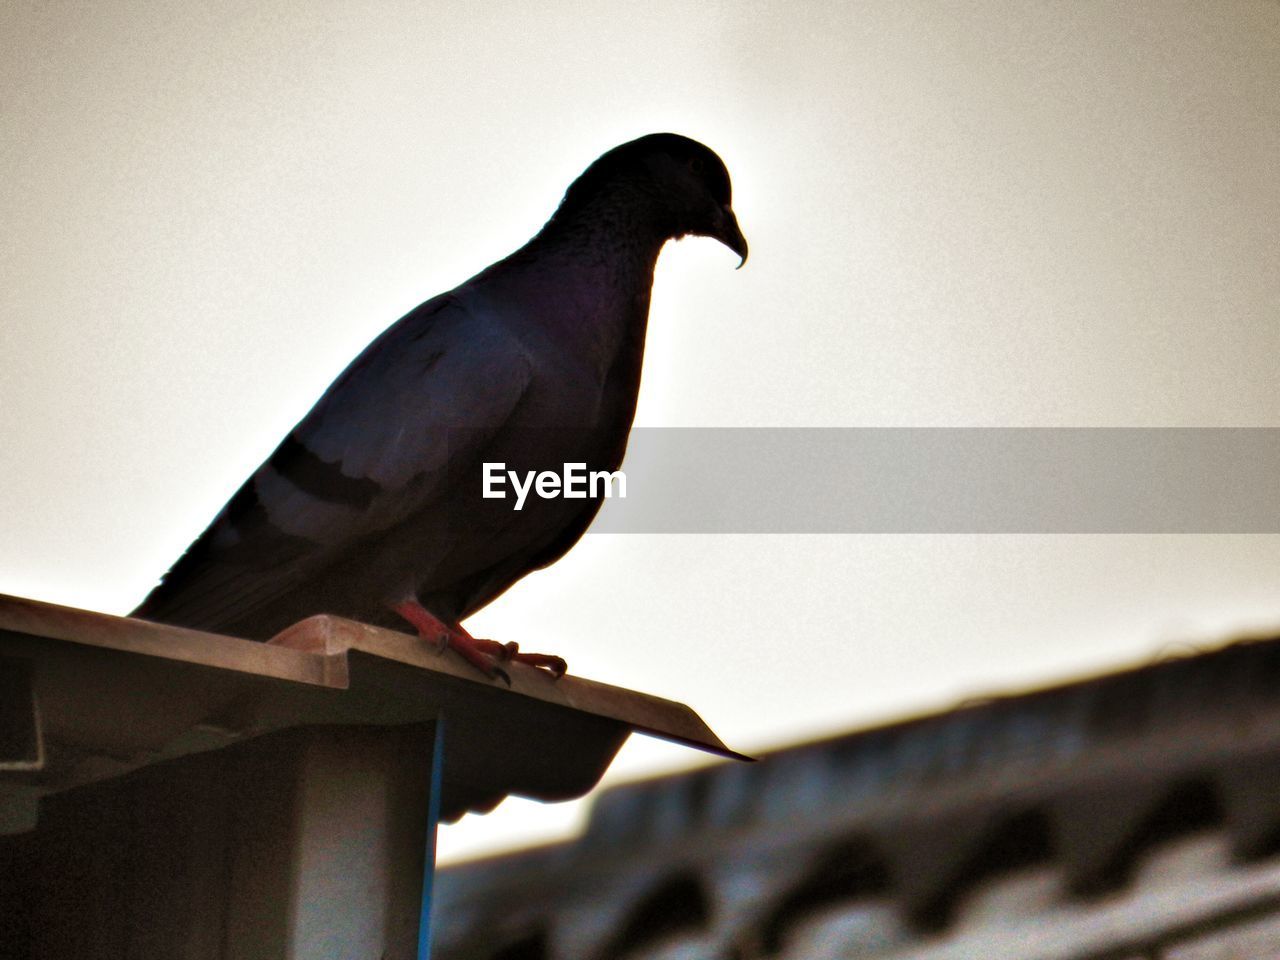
<point>309,844</point>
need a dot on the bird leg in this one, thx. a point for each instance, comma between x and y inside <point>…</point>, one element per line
<point>484,655</point>
<point>510,652</point>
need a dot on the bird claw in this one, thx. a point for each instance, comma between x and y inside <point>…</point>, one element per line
<point>475,654</point>
<point>509,652</point>
<point>484,655</point>
<point>505,652</point>
<point>556,666</point>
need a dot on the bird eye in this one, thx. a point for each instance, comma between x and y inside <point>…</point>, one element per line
<point>697,164</point>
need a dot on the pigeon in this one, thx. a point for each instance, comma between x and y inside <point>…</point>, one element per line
<point>373,507</point>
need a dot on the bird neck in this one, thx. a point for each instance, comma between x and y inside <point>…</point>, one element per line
<point>620,226</point>
<point>605,251</point>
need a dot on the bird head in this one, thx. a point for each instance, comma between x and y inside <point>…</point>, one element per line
<point>684,186</point>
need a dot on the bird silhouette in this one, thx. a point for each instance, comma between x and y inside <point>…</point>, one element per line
<point>372,507</point>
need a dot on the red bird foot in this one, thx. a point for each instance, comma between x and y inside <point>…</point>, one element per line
<point>485,655</point>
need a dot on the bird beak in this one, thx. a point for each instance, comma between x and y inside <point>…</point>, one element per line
<point>729,233</point>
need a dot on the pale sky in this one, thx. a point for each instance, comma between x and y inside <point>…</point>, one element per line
<point>960,214</point>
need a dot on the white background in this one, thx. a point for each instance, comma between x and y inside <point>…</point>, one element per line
<point>962,213</point>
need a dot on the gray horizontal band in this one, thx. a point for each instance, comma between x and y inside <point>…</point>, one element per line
<point>949,480</point>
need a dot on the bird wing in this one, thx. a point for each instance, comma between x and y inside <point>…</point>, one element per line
<point>377,447</point>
